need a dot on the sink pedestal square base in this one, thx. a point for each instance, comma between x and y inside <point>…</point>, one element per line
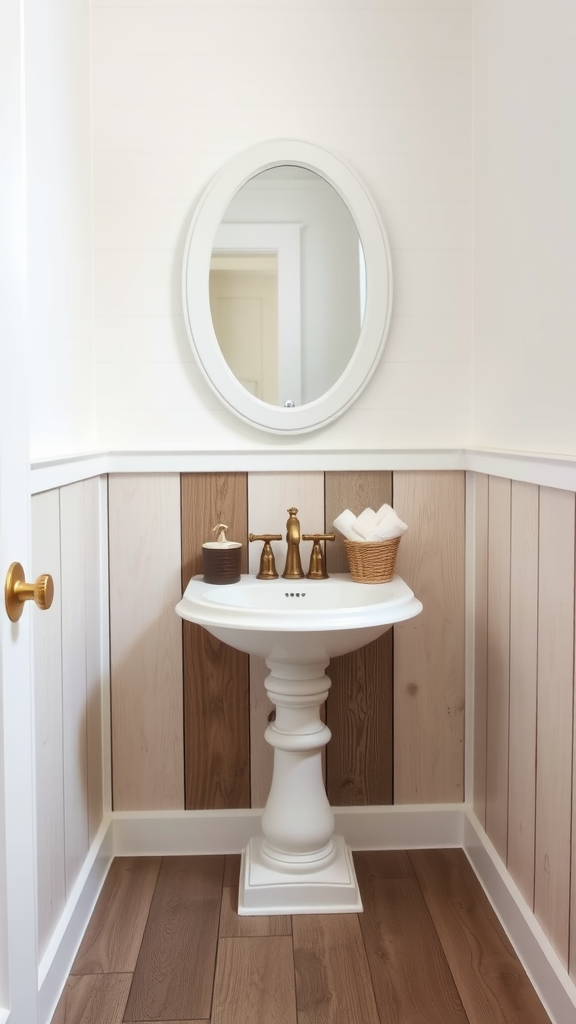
<point>266,890</point>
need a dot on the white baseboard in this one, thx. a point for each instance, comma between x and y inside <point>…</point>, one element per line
<point>543,966</point>
<point>58,959</point>
<point>157,833</point>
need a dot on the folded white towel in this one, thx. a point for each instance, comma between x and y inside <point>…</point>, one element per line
<point>389,525</point>
<point>365,523</point>
<point>344,524</point>
<point>370,525</point>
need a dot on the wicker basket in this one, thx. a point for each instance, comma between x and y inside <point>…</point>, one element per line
<point>372,562</point>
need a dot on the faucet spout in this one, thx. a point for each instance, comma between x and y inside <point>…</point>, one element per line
<point>293,568</point>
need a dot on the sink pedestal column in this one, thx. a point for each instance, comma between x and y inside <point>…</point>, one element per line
<point>298,866</point>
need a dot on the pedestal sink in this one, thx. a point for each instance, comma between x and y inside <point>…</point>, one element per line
<point>297,865</point>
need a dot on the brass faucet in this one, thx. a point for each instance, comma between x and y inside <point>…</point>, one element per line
<point>293,568</point>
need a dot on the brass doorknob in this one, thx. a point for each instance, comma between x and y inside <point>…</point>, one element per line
<point>17,591</point>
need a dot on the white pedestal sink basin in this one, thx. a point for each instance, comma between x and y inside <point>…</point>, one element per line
<point>297,866</point>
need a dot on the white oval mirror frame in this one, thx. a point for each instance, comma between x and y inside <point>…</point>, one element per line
<point>197,313</point>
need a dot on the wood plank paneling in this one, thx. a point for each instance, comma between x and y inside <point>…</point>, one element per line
<point>96,534</point>
<point>429,650</point>
<point>359,757</point>
<point>74,691</point>
<point>523,677</point>
<point>480,641</point>
<point>47,631</point>
<point>175,968</point>
<point>359,714</point>
<point>93,999</point>
<point>146,641</point>
<point>332,975</point>
<point>112,940</point>
<point>498,687</point>
<point>491,982</point>
<point>555,710</point>
<point>216,683</point>
<point>254,981</point>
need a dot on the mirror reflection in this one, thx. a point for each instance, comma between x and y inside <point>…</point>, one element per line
<point>287,286</point>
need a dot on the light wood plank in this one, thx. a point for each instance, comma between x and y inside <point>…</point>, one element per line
<point>175,969</point>
<point>74,690</point>
<point>410,974</point>
<point>47,631</point>
<point>332,975</point>
<point>480,642</point>
<point>555,709</point>
<point>359,757</point>
<point>96,599</point>
<point>216,684</point>
<point>491,982</point>
<point>254,981</point>
<point>429,650</point>
<point>232,926</point>
<point>112,940</point>
<point>93,999</point>
<point>523,678</point>
<point>146,641</point>
<point>498,679</point>
<point>270,495</point>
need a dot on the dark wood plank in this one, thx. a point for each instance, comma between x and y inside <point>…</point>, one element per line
<point>333,983</point>
<point>491,981</point>
<point>93,999</point>
<point>371,864</point>
<point>356,491</point>
<point>254,982</point>
<point>216,677</point>
<point>411,978</point>
<point>359,757</point>
<point>232,926</point>
<point>175,969</point>
<point>112,940</point>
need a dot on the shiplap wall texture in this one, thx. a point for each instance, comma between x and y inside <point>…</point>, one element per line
<point>197,742</point>
<point>524,694</point>
<point>66,542</point>
<point>180,88</point>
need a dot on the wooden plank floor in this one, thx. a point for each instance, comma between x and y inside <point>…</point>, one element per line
<point>165,943</point>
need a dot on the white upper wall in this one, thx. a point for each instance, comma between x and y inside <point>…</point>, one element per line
<point>525,225</point>
<point>178,89</point>
<point>59,217</point>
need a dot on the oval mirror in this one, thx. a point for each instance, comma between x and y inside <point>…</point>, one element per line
<point>287,286</point>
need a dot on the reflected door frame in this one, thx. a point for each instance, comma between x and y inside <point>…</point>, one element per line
<point>284,241</point>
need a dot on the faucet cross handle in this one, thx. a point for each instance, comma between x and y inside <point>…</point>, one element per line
<point>267,570</point>
<point>317,570</point>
